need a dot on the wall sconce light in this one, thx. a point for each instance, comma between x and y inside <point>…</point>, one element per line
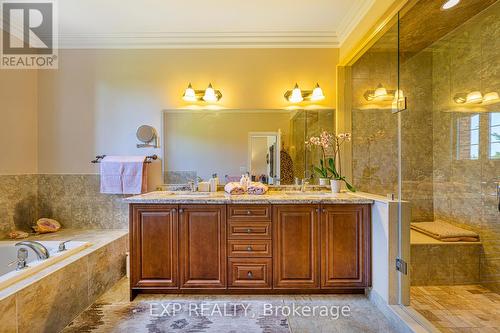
<point>381,94</point>
<point>476,97</point>
<point>296,95</point>
<point>209,95</point>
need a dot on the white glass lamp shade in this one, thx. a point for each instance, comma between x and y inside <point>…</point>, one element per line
<point>474,97</point>
<point>296,96</point>
<point>380,92</point>
<point>189,94</point>
<point>210,96</point>
<point>490,97</point>
<point>317,93</point>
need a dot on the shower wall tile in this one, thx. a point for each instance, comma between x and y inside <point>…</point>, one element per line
<point>18,196</point>
<point>464,61</point>
<point>444,264</point>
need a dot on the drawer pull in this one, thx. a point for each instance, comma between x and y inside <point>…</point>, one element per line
<point>249,248</point>
<point>248,212</point>
<point>250,275</point>
<point>249,231</point>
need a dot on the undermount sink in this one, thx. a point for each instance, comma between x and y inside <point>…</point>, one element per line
<point>188,194</point>
<point>307,194</point>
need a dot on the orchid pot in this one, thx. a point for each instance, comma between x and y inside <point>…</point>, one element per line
<point>335,185</point>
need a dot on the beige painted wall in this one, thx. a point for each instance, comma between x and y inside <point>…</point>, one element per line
<point>18,125</point>
<point>95,101</point>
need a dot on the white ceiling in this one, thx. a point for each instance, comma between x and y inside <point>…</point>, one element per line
<point>207,23</point>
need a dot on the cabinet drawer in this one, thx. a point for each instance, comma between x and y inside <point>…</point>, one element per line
<point>249,230</point>
<point>249,248</point>
<point>250,273</point>
<point>249,212</point>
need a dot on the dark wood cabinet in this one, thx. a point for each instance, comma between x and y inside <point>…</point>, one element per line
<point>199,248</point>
<point>296,246</point>
<point>154,248</point>
<point>202,245</point>
<point>345,246</point>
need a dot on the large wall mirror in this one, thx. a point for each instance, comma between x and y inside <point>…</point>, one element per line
<point>268,144</point>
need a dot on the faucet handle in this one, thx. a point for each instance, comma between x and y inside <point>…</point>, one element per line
<point>20,262</point>
<point>62,245</point>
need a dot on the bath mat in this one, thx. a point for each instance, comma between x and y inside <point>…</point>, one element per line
<point>182,317</point>
<point>445,232</point>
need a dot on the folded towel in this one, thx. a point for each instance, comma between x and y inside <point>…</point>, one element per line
<point>234,188</point>
<point>445,232</point>
<point>257,188</point>
<point>123,175</point>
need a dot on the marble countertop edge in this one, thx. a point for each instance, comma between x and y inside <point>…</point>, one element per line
<point>162,197</point>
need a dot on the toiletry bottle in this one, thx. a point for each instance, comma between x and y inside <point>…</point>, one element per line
<point>214,182</point>
<point>243,182</point>
<point>249,181</point>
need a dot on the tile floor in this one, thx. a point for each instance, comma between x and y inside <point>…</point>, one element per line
<point>114,313</point>
<point>467,308</point>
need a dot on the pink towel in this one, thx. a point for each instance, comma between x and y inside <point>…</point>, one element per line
<point>123,175</point>
<point>234,188</point>
<point>257,188</point>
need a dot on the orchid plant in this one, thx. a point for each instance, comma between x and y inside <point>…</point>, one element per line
<point>330,145</point>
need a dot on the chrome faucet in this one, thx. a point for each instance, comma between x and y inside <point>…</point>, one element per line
<point>40,250</point>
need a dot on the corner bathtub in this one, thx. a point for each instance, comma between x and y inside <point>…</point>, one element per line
<point>8,259</point>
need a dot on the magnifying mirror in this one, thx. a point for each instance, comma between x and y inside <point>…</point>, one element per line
<point>147,134</point>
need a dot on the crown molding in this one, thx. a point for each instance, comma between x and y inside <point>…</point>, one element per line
<point>166,40</point>
<point>352,18</point>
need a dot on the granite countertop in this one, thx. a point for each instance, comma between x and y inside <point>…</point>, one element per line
<point>272,197</point>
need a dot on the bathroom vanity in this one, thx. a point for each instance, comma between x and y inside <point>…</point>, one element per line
<point>249,244</point>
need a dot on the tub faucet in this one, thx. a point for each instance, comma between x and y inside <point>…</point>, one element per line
<point>40,250</point>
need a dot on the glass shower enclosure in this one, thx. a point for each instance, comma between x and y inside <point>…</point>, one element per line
<point>425,118</point>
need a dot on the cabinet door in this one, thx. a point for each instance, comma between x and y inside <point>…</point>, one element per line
<point>202,240</point>
<point>296,246</point>
<point>345,246</point>
<point>153,244</point>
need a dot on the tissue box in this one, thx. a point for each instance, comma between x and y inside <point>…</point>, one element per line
<point>204,187</point>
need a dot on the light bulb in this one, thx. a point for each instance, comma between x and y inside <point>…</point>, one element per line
<point>296,96</point>
<point>474,97</point>
<point>189,94</point>
<point>210,94</point>
<point>317,93</point>
<point>449,4</point>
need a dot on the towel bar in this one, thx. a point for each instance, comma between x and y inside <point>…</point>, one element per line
<point>98,158</point>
